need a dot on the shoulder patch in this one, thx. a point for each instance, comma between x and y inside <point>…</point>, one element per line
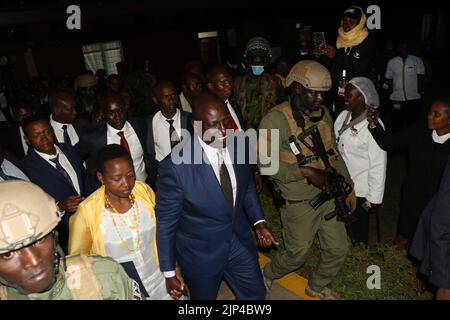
<point>136,291</point>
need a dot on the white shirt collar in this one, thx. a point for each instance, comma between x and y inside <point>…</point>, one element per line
<point>211,152</point>
<point>49,156</point>
<point>57,124</point>
<point>440,139</point>
<point>113,131</point>
<point>174,118</point>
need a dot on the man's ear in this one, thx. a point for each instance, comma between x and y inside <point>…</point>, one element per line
<point>209,85</point>
<point>100,177</point>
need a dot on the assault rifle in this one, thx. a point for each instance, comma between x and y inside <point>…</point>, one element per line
<point>336,187</point>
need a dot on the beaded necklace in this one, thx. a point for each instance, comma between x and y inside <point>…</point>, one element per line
<point>136,218</point>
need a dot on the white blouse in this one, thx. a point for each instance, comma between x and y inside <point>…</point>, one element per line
<point>143,256</point>
<point>365,160</point>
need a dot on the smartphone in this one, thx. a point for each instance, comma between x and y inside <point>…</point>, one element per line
<point>319,39</point>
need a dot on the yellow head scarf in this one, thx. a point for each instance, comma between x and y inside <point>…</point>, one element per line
<point>354,36</point>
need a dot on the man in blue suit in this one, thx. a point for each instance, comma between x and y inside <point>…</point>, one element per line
<point>55,167</point>
<point>204,210</point>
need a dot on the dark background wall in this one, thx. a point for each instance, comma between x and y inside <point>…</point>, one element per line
<point>166,32</point>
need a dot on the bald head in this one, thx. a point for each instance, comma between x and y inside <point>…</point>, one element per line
<point>214,116</point>
<point>63,106</point>
<point>204,102</point>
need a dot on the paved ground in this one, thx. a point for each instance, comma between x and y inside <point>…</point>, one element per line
<point>291,287</point>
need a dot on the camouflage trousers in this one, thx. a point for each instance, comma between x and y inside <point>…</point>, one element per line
<point>301,224</point>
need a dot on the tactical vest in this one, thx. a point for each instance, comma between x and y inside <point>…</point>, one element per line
<point>326,133</point>
<point>80,279</point>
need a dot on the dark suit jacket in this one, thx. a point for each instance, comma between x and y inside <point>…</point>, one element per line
<point>93,139</point>
<point>49,179</point>
<point>195,224</point>
<point>431,242</point>
<point>152,168</point>
<point>237,110</point>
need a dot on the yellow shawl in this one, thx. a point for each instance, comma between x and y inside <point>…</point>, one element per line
<point>85,236</point>
<point>354,36</point>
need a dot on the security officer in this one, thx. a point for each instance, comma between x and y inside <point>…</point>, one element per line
<point>257,91</point>
<point>33,266</point>
<point>308,80</point>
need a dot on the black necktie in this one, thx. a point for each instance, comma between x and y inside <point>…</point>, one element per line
<point>6,177</point>
<point>66,135</point>
<point>225,182</point>
<point>61,169</point>
<point>173,136</point>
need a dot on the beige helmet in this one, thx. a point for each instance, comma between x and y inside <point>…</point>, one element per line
<point>27,214</point>
<point>311,74</point>
<point>85,80</point>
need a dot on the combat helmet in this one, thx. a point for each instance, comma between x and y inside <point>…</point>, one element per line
<point>310,74</point>
<point>27,214</point>
<point>258,46</point>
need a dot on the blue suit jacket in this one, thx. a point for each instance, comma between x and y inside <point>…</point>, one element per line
<point>194,222</point>
<point>49,179</point>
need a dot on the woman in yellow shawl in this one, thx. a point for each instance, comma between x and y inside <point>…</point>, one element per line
<point>118,220</point>
<point>355,52</point>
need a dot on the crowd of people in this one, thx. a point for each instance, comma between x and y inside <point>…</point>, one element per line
<point>88,177</point>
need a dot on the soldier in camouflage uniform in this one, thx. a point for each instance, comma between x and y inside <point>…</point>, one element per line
<point>257,92</point>
<point>33,266</point>
<point>298,185</point>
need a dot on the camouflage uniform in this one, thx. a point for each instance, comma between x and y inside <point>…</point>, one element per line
<point>256,96</point>
<point>79,277</point>
<point>114,284</point>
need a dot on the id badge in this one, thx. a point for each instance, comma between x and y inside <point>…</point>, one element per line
<point>397,106</point>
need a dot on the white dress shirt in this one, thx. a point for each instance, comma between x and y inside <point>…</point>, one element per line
<point>136,150</point>
<point>365,160</point>
<point>64,163</point>
<point>11,170</point>
<point>161,133</point>
<point>59,132</point>
<point>404,77</point>
<point>440,139</point>
<point>233,114</point>
<point>215,157</point>
<point>24,143</point>
<point>185,105</point>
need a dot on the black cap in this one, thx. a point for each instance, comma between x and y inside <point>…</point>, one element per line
<point>352,12</point>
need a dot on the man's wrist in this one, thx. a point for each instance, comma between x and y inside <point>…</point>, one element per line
<point>259,222</point>
<point>169,274</point>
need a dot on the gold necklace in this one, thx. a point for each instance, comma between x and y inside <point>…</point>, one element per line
<point>136,218</point>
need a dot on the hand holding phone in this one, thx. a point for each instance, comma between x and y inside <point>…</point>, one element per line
<point>319,43</point>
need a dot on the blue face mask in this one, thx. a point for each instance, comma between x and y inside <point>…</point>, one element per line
<point>257,70</point>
